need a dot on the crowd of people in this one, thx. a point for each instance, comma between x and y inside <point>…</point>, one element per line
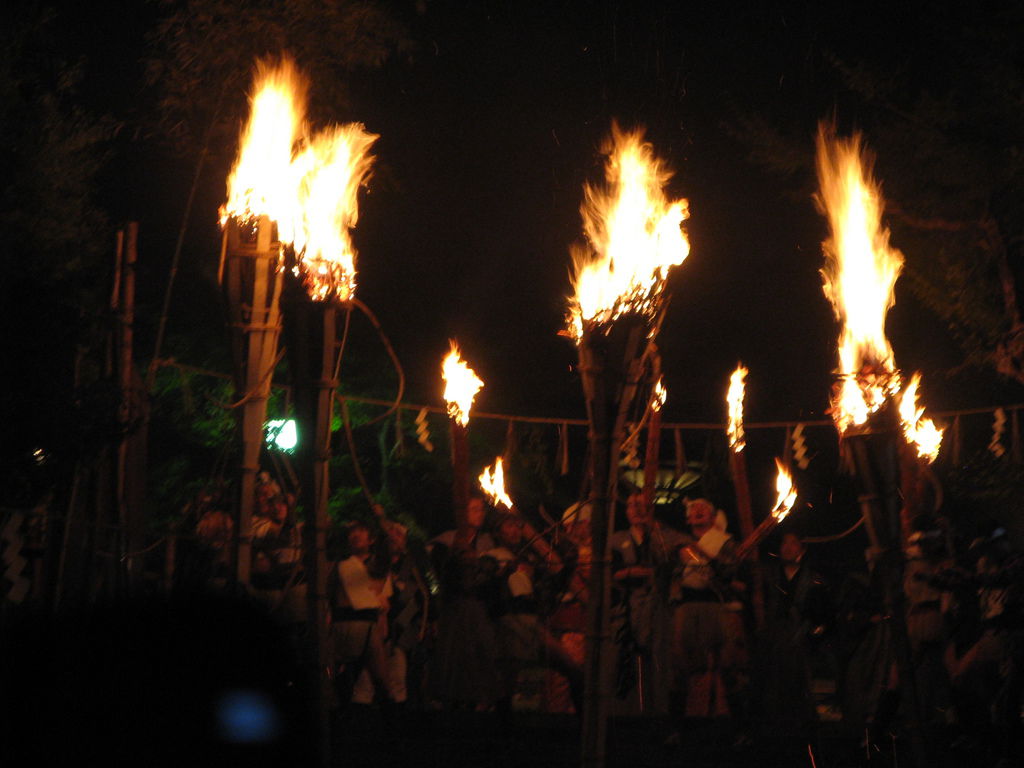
<point>492,615</point>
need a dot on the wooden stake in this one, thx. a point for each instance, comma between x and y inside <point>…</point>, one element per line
<point>460,481</point>
<point>738,465</point>
<point>130,540</point>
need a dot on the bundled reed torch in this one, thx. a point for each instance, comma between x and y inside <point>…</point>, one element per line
<point>860,273</point>
<point>737,442</point>
<point>460,387</point>
<point>741,482</point>
<point>259,208</point>
<point>861,268</point>
<point>633,237</point>
<point>292,195</point>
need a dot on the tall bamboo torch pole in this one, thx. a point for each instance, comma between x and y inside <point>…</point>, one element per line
<point>611,366</point>
<point>738,467</point>
<point>874,451</point>
<point>334,163</point>
<point>634,237</point>
<point>252,283</point>
<point>860,274</point>
<point>258,206</point>
<point>311,328</point>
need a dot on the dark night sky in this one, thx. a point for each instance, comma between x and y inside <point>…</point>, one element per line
<point>487,137</point>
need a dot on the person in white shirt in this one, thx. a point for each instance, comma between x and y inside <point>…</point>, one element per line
<point>359,609</point>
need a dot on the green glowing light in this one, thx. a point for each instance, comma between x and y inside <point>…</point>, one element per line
<point>282,434</point>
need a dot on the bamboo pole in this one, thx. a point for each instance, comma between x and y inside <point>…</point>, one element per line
<point>252,285</point>
<point>317,552</point>
<point>744,509</point>
<point>460,481</point>
<point>313,360</point>
<point>611,364</point>
<point>129,538</point>
<point>873,452</point>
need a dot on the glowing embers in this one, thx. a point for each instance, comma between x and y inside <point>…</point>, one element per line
<point>634,235</point>
<point>461,385</point>
<point>860,273</point>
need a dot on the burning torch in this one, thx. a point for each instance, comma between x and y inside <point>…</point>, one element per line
<point>461,386</point>
<point>492,483</point>
<point>738,468</point>
<point>737,442</point>
<point>785,499</point>
<point>257,215</point>
<point>327,172</point>
<point>860,273</point>
<point>634,236</point>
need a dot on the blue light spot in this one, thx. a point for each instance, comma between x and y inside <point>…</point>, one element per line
<point>248,717</point>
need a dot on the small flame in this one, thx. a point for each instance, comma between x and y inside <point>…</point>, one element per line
<point>492,482</point>
<point>660,396</point>
<point>262,181</point>
<point>919,431</point>
<point>634,236</point>
<point>859,275</point>
<point>786,493</point>
<point>461,385</point>
<point>330,171</point>
<point>734,399</point>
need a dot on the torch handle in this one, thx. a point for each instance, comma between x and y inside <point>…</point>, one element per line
<point>749,544</point>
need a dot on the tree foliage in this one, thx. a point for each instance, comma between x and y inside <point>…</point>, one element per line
<point>55,246</point>
<point>205,51</point>
<point>945,118</point>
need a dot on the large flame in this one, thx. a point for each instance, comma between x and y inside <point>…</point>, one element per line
<point>492,482</point>
<point>734,399</point>
<point>262,181</point>
<point>329,172</point>
<point>859,275</point>
<point>786,492</point>
<point>634,235</point>
<point>919,431</point>
<point>461,385</point>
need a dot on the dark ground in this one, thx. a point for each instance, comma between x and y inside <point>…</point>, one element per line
<point>447,740</point>
<point>208,681</point>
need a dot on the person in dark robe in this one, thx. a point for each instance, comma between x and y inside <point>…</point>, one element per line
<point>643,557</point>
<point>795,616</point>
<point>463,673</point>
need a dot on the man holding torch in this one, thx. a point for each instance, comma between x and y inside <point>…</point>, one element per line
<point>708,629</point>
